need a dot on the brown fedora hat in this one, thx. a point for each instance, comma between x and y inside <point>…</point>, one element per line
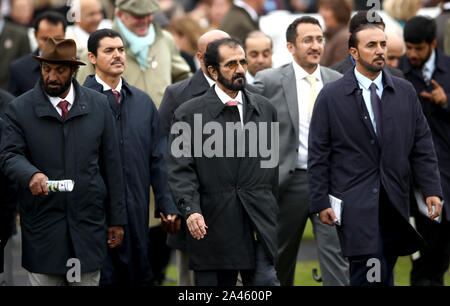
<point>59,51</point>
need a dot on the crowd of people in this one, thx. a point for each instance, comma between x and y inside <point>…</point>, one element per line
<point>179,133</point>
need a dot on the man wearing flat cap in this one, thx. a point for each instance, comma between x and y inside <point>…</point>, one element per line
<point>154,61</point>
<point>60,130</point>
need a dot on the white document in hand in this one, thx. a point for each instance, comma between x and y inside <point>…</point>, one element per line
<point>423,209</point>
<point>336,205</point>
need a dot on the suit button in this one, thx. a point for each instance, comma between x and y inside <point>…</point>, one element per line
<point>188,208</point>
<point>291,171</point>
<point>238,188</point>
<point>296,150</point>
<point>372,141</point>
<point>375,190</point>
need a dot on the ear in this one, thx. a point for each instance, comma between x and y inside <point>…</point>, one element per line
<point>92,58</point>
<point>199,56</point>
<point>119,14</point>
<point>434,43</point>
<point>354,53</point>
<point>291,47</point>
<point>213,73</point>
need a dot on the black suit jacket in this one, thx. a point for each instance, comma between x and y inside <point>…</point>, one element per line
<point>235,195</point>
<point>347,64</point>
<point>345,159</point>
<point>24,72</point>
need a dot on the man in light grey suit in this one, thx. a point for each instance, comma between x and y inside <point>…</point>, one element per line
<point>292,89</point>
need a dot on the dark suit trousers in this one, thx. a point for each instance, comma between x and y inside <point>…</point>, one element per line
<point>430,267</point>
<point>263,275</point>
<point>363,270</point>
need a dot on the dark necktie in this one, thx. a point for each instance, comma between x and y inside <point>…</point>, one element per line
<point>63,106</point>
<point>376,106</point>
<point>116,95</point>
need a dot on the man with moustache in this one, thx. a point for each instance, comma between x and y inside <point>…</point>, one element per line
<point>428,69</point>
<point>367,134</point>
<point>26,71</point>
<point>231,214</point>
<point>175,95</point>
<point>143,148</point>
<point>258,47</point>
<point>61,130</point>
<point>292,90</point>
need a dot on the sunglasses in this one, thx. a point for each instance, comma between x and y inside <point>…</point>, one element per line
<point>233,65</point>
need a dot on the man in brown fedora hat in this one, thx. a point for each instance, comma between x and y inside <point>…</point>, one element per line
<point>60,130</point>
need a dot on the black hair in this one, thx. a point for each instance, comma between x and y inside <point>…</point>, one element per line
<point>291,32</point>
<point>353,40</point>
<point>419,29</point>
<point>53,17</point>
<point>211,57</point>
<point>257,33</point>
<point>360,18</point>
<point>96,36</point>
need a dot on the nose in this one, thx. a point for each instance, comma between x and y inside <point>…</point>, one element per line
<point>240,68</point>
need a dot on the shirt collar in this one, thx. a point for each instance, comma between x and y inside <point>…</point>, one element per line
<point>300,73</point>
<point>365,82</point>
<point>250,79</point>
<point>106,86</point>
<point>69,98</point>
<point>226,98</point>
<point>430,65</point>
<point>253,14</point>
<point>210,81</point>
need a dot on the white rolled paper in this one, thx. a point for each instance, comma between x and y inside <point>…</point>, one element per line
<point>60,186</point>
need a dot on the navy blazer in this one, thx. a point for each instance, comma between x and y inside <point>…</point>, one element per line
<point>24,72</point>
<point>346,159</point>
<point>437,116</point>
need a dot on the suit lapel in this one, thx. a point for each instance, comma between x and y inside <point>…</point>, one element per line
<point>290,91</point>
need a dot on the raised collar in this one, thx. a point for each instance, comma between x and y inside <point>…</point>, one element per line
<point>106,86</point>
<point>350,83</point>
<point>215,105</point>
<point>366,82</point>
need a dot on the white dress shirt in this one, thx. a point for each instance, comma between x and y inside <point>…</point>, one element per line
<point>364,83</point>
<point>226,98</point>
<point>429,67</point>
<point>69,98</point>
<point>107,87</point>
<point>250,79</point>
<point>303,92</point>
<point>210,81</point>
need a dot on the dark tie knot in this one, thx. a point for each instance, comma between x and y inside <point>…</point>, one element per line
<point>373,87</point>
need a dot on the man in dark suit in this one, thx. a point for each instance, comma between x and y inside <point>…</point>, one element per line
<point>79,144</point>
<point>175,95</point>
<point>242,18</point>
<point>289,89</point>
<point>428,69</point>
<point>367,131</point>
<point>25,71</point>
<point>13,44</point>
<point>358,20</point>
<point>231,213</point>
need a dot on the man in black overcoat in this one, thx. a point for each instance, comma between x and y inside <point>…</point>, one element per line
<point>224,185</point>
<point>143,148</point>
<point>61,130</point>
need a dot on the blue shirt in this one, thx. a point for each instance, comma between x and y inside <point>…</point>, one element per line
<point>364,83</point>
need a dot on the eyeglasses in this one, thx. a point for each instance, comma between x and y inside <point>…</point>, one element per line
<point>233,65</point>
<point>309,40</point>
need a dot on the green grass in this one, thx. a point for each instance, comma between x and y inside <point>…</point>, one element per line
<point>303,270</point>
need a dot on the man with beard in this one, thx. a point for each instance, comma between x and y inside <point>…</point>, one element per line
<point>428,69</point>
<point>143,148</point>
<point>60,130</point>
<point>228,200</point>
<point>292,90</point>
<point>366,133</point>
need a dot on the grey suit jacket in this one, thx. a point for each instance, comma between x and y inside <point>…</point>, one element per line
<point>279,86</point>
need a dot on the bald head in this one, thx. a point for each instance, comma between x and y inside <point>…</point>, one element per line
<point>395,49</point>
<point>204,41</point>
<point>208,37</point>
<point>91,15</point>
